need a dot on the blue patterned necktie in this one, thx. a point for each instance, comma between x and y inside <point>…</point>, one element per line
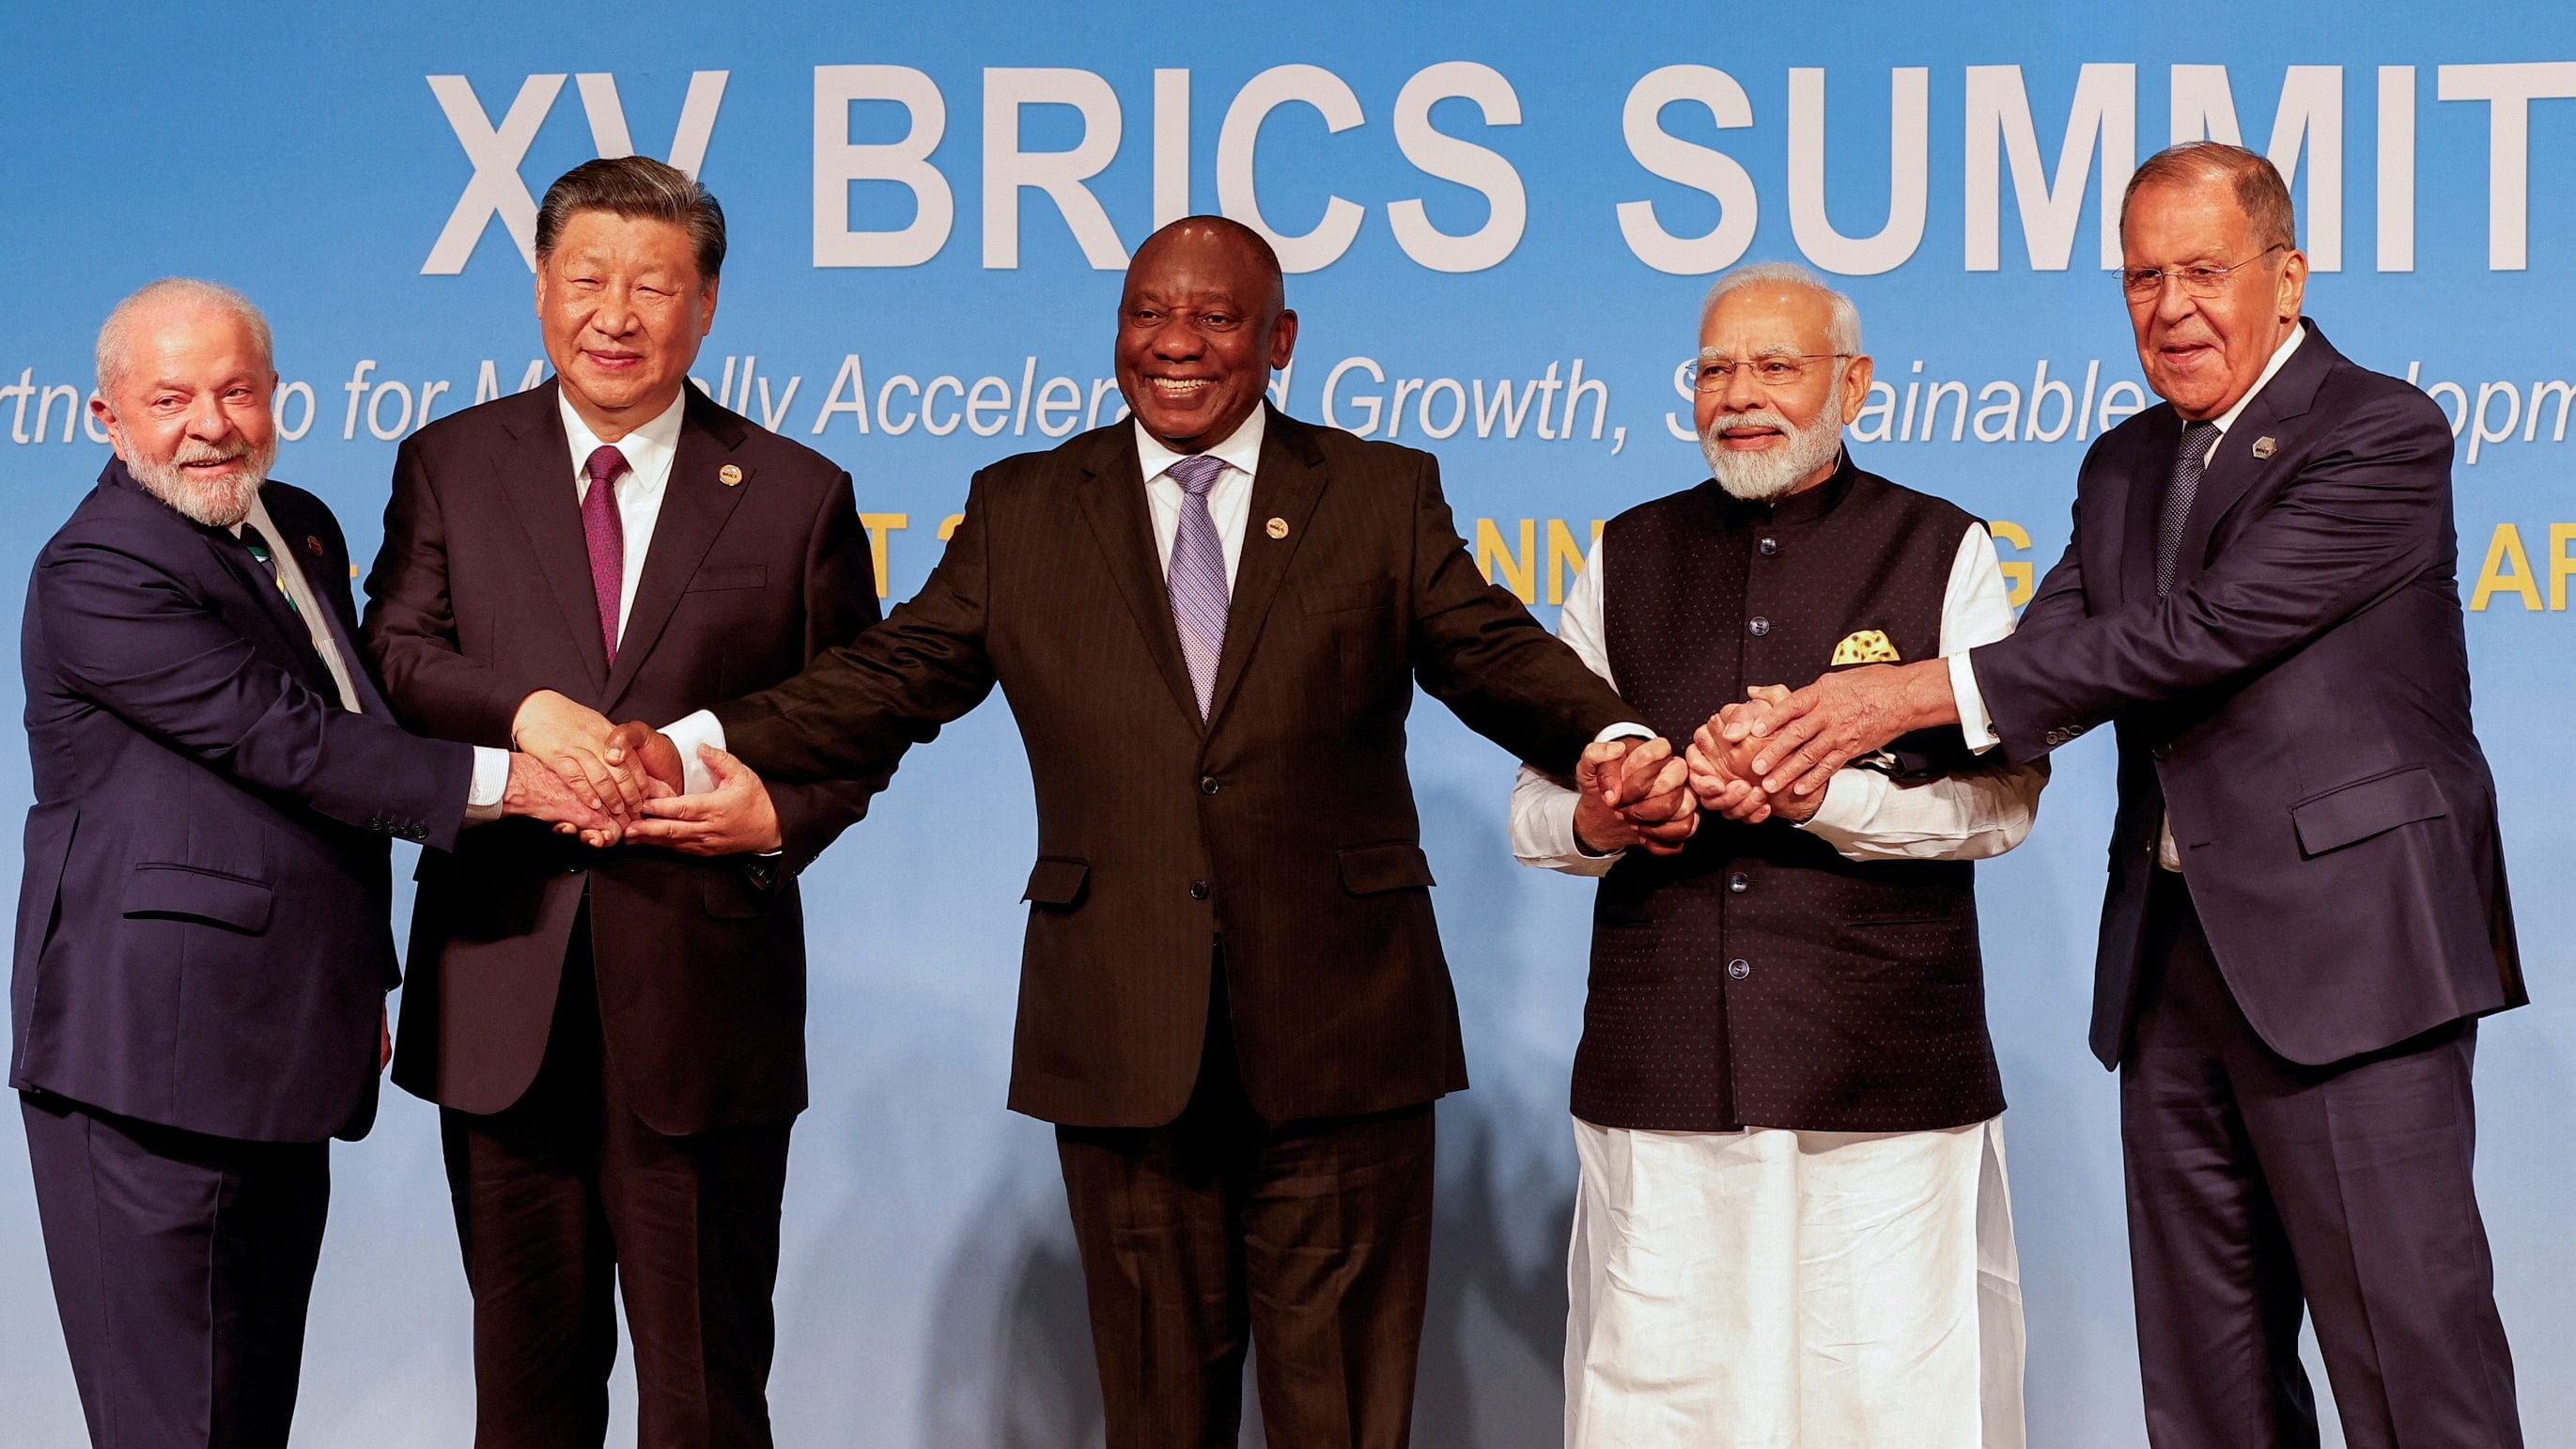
<point>2187,468</point>
<point>1197,576</point>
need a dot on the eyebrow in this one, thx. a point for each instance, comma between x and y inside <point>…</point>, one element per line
<point>1771,349</point>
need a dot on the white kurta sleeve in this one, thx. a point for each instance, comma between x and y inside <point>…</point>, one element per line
<point>1542,809</point>
<point>1968,816</point>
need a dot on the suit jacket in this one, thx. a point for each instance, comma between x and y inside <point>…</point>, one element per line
<point>202,925</point>
<point>481,596</point>
<point>2299,702</point>
<point>1284,824</point>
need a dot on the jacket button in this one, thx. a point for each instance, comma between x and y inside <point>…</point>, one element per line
<point>1198,890</point>
<point>1208,785</point>
<point>1759,625</point>
<point>2060,735</point>
<point>1767,547</point>
<point>1739,883</point>
<point>2162,751</point>
<point>1739,968</point>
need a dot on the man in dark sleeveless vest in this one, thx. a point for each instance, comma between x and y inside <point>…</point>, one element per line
<point>1791,1224</point>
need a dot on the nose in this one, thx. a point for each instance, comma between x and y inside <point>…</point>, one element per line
<point>1742,394</point>
<point>207,420</point>
<point>1178,341</point>
<point>615,314</point>
<point>2173,303</point>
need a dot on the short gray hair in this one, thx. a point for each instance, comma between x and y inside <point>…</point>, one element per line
<point>115,335</point>
<point>1842,330</point>
<point>2251,178</point>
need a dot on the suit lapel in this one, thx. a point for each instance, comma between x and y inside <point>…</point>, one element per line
<point>696,504</point>
<point>271,602</point>
<point>1287,486</point>
<point>2149,474</point>
<point>535,476</point>
<point>324,572</point>
<point>2234,470</point>
<point>1113,501</point>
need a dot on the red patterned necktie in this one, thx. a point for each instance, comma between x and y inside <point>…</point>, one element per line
<point>606,535</point>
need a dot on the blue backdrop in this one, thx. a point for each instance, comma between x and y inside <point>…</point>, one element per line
<point>1503,217</point>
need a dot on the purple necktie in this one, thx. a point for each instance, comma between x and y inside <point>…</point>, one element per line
<point>606,535</point>
<point>1197,577</point>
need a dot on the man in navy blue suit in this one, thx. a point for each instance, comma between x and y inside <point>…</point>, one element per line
<point>2307,909</point>
<point>203,941</point>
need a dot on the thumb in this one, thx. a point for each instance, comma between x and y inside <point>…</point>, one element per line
<point>721,767</point>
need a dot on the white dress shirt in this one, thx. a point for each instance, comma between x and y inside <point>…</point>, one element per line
<point>1865,815</point>
<point>491,767</point>
<point>1979,726</point>
<point>1229,498</point>
<point>648,452</point>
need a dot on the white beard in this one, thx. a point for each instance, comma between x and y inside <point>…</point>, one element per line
<point>218,502</point>
<point>1776,471</point>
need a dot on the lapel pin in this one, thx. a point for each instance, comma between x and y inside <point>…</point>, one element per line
<point>313,544</point>
<point>2264,447</point>
<point>1276,528</point>
<point>729,475</point>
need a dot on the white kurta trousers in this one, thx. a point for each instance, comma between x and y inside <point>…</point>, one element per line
<point>1771,1289</point>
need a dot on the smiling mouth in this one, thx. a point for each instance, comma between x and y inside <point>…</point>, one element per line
<point>1181,388</point>
<point>1747,439</point>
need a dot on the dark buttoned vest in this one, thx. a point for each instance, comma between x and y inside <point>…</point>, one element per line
<point>1759,978</point>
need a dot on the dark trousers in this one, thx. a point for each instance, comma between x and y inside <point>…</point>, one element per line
<point>567,1196</point>
<point>1310,1239</point>
<point>182,1266</point>
<point>2257,1185</point>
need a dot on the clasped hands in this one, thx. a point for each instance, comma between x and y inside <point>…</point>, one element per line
<point>1773,754</point>
<point>608,784</point>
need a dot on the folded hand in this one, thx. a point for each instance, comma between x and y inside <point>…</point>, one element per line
<point>1633,793</point>
<point>734,817</point>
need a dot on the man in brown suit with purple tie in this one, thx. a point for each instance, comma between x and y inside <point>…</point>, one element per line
<point>616,1041</point>
<point>1233,1002</point>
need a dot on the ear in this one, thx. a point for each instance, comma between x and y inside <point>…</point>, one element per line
<point>106,416</point>
<point>707,322</point>
<point>2292,287</point>
<point>1856,376</point>
<point>1283,338</point>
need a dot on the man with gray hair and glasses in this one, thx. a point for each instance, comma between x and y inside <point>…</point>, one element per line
<point>1791,1225</point>
<point>203,950</point>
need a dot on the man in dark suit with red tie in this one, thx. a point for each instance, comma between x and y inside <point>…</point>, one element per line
<point>1233,1005</point>
<point>202,945</point>
<point>616,1041</point>
<point>2307,909</point>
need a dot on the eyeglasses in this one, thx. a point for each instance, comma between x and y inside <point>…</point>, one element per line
<point>1712,374</point>
<point>2145,284</point>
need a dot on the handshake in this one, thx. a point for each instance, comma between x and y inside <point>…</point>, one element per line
<point>1635,794</point>
<point>613,784</point>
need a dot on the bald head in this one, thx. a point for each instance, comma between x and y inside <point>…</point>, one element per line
<point>1202,321</point>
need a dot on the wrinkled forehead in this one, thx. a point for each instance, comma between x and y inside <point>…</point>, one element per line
<point>2190,219</point>
<point>1761,321</point>
<point>189,340</point>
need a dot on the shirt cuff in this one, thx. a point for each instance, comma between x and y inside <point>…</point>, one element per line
<point>687,733</point>
<point>1851,799</point>
<point>490,781</point>
<point>1974,722</point>
<point>1624,730</point>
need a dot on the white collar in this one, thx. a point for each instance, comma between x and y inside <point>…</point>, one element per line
<point>652,443</point>
<point>2280,354</point>
<point>1241,450</point>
